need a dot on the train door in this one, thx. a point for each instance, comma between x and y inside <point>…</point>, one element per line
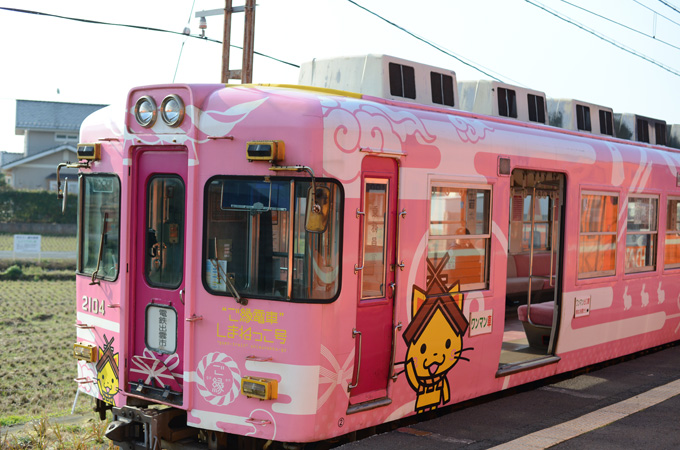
<point>376,271</point>
<point>157,317</point>
<point>534,266</point>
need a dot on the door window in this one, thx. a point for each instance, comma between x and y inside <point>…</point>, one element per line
<point>165,231</point>
<point>375,226</point>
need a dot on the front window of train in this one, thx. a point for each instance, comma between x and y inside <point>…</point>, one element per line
<point>256,236</point>
<point>99,226</point>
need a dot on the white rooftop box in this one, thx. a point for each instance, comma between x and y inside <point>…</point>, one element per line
<point>494,98</point>
<point>640,128</point>
<point>581,116</point>
<point>383,76</point>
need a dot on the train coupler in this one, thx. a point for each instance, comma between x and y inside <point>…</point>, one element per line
<point>136,428</point>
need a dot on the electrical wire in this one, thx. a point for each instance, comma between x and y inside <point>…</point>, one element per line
<point>620,24</point>
<point>139,27</point>
<point>604,38</point>
<point>674,8</point>
<point>184,41</point>
<point>454,56</point>
<point>657,13</point>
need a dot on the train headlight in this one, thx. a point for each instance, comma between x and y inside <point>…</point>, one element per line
<point>172,110</point>
<point>262,388</point>
<point>145,111</point>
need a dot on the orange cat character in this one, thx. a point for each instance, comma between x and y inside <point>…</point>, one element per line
<point>107,372</point>
<point>434,340</point>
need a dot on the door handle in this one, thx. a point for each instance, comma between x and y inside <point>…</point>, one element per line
<point>356,333</point>
<point>392,288</point>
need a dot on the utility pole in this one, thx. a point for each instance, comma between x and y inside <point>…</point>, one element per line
<point>245,73</point>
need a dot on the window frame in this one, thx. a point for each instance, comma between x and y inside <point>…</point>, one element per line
<point>441,183</point>
<point>602,273</point>
<point>80,270</point>
<point>654,234</point>
<point>333,226</point>
<point>675,231</point>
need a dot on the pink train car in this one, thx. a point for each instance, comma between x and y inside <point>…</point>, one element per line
<point>295,263</point>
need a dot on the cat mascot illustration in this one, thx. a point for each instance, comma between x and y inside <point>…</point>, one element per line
<point>434,338</point>
<point>107,372</point>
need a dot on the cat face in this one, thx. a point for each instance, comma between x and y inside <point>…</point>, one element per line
<point>107,380</point>
<point>437,349</point>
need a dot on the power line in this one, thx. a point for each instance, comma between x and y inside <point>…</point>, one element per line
<point>604,38</point>
<point>657,13</point>
<point>670,6</point>
<point>454,56</point>
<point>184,41</point>
<point>620,24</point>
<point>138,27</point>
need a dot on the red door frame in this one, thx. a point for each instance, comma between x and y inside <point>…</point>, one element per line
<point>375,315</point>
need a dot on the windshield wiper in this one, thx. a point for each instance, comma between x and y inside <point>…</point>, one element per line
<point>101,251</point>
<point>228,283</point>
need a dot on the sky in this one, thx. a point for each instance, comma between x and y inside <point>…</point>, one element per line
<point>516,41</point>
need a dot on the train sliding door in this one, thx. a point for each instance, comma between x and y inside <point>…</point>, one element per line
<point>534,267</point>
<point>374,332</point>
<point>157,318</point>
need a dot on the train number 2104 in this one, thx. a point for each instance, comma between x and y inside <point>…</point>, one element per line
<point>93,305</point>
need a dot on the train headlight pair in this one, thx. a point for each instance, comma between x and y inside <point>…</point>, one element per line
<point>171,111</point>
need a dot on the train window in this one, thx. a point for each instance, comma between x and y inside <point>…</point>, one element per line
<point>164,253</point>
<point>442,88</point>
<point>541,221</point>
<point>672,251</point>
<point>597,234</point>
<point>507,102</point>
<point>99,219</point>
<point>536,108</point>
<point>256,236</point>
<point>402,81</point>
<point>583,118</point>
<point>460,231</point>
<point>606,123</point>
<point>641,232</point>
<point>375,233</point>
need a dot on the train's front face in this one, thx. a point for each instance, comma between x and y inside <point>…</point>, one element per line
<point>206,255</point>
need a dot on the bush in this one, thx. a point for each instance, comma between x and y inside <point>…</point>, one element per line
<point>13,273</point>
<point>35,207</point>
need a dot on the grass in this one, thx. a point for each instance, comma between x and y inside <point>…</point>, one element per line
<point>36,335</point>
<point>37,368</point>
<point>47,243</point>
<point>43,434</point>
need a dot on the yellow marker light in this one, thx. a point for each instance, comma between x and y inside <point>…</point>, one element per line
<point>85,352</point>
<point>262,388</point>
<point>265,151</point>
<point>89,152</point>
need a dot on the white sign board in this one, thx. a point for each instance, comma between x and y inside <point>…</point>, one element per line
<point>582,306</point>
<point>481,322</point>
<point>26,243</point>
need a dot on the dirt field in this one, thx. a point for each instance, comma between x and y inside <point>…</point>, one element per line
<point>37,368</point>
